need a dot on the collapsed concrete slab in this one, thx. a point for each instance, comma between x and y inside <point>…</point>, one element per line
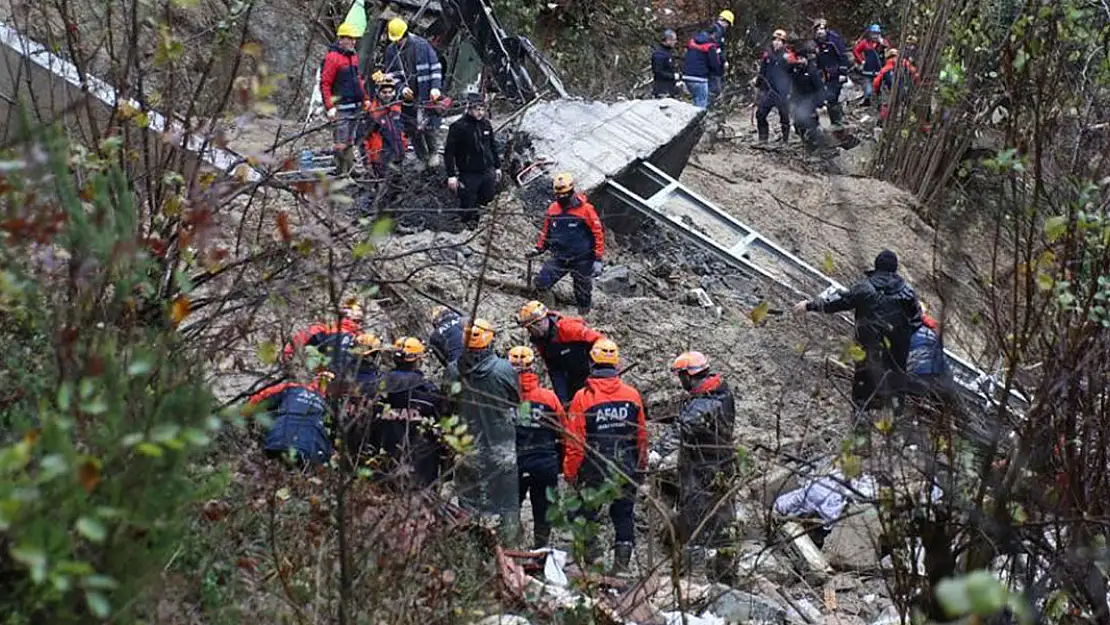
<point>598,141</point>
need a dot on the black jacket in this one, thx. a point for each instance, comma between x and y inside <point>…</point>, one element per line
<point>470,148</point>
<point>705,424</point>
<point>887,312</point>
<point>774,72</point>
<point>807,82</point>
<point>663,71</point>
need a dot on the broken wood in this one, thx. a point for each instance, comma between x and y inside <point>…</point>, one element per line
<point>805,548</point>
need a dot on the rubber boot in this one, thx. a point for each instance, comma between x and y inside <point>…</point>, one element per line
<point>764,135</point>
<point>786,133</point>
<point>541,537</point>
<point>434,159</point>
<point>622,557</point>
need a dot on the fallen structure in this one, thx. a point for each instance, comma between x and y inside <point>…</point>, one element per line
<point>57,92</point>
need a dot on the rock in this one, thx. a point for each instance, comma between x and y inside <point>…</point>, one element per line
<point>889,616</point>
<point>503,619</point>
<point>754,560</point>
<point>737,606</point>
<point>618,280</point>
<point>699,297</point>
<point>853,542</point>
<point>839,618</point>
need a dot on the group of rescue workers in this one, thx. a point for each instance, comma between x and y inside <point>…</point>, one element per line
<point>796,75</point>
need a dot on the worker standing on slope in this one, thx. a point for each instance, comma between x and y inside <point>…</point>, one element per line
<point>706,457</point>
<point>665,76</point>
<point>385,143</point>
<point>414,62</point>
<point>896,76</point>
<point>718,31</point>
<point>564,343</point>
<point>573,233</point>
<point>299,412</point>
<point>607,445</point>
<point>887,314</point>
<point>807,94</point>
<point>834,63</point>
<point>401,424</point>
<point>540,428</point>
<point>702,61</point>
<point>868,54</point>
<point>774,81</point>
<point>471,159</point>
<point>487,481</point>
<point>344,95</point>
<point>446,339</point>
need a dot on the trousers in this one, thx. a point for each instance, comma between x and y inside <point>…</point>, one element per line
<point>768,101</point>
<point>475,189</point>
<point>581,272</point>
<point>534,485</point>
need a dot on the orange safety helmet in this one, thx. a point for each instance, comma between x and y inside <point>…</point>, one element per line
<point>479,334</point>
<point>563,184</point>
<point>408,349</point>
<point>522,357</point>
<point>691,363</point>
<point>531,312</point>
<point>605,352</point>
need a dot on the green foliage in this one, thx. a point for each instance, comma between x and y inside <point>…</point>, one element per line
<point>979,593</point>
<point>94,452</point>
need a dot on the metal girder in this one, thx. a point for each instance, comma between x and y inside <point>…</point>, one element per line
<point>673,202</point>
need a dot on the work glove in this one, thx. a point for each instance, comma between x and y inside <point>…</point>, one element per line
<point>497,175</point>
<point>453,183</point>
<point>406,93</point>
<point>333,113</point>
<point>435,94</point>
<point>534,253</point>
<point>843,79</point>
<point>597,268</point>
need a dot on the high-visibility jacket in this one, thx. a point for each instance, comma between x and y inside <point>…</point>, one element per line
<point>541,425</point>
<point>608,430</point>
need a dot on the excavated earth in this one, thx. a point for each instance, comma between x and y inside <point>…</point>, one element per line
<point>789,398</point>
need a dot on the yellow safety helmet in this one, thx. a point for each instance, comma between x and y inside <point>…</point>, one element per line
<point>366,343</point>
<point>479,334</point>
<point>408,349</point>
<point>692,363</point>
<point>522,357</point>
<point>531,312</point>
<point>564,183</point>
<point>779,34</point>
<point>397,29</point>
<point>351,309</point>
<point>605,352</point>
<point>436,312</point>
<point>727,16</point>
<point>322,378</point>
<point>347,29</point>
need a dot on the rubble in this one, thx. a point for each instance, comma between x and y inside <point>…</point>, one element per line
<point>503,619</point>
<point>853,542</point>
<point>804,547</point>
<point>737,606</point>
<point>618,280</point>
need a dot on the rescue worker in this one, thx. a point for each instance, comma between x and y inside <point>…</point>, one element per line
<point>774,81</point>
<point>930,375</point>
<point>299,411</point>
<point>398,436</point>
<point>833,61</point>
<point>608,444</point>
<point>665,76</point>
<point>718,31</point>
<point>706,454</point>
<point>414,63</point>
<point>385,143</point>
<point>887,314</point>
<point>807,94</point>
<point>868,54</point>
<point>564,344</point>
<point>540,428</point>
<point>909,48</point>
<point>344,94</point>
<point>367,367</point>
<point>333,340</point>
<point>446,338</point>
<point>897,73</point>
<point>573,233</point>
<point>702,61</point>
<point>471,159</point>
<point>486,481</point>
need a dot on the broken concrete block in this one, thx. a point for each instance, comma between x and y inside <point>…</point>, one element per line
<point>698,297</point>
<point>853,542</point>
<point>804,547</point>
<point>617,280</point>
<point>737,606</point>
<point>503,619</point>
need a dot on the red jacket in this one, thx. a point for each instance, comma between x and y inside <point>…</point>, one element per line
<point>573,233</point>
<point>532,391</point>
<point>340,82</point>
<point>277,389</point>
<point>877,83</point>
<point>539,438</point>
<point>869,53</point>
<point>606,417</point>
<point>386,142</point>
<point>318,333</point>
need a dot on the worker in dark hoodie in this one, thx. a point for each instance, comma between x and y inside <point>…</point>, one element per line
<point>665,76</point>
<point>702,61</point>
<point>487,481</point>
<point>887,314</point>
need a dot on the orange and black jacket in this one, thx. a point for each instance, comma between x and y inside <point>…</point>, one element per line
<point>565,349</point>
<point>573,233</point>
<point>607,430</point>
<point>386,141</point>
<point>298,412</point>
<point>540,427</point>
<point>333,339</point>
<point>885,77</point>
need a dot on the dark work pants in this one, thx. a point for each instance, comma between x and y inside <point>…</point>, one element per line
<point>423,139</point>
<point>832,101</point>
<point>620,512</point>
<point>770,100</point>
<point>534,484</point>
<point>475,189</point>
<point>700,490</point>
<point>805,118</point>
<point>581,271</point>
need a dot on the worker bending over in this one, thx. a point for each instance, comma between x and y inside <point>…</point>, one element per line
<point>563,342</point>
